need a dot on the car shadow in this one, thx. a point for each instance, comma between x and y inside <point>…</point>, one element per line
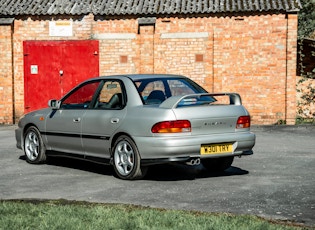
<point>175,172</point>
<point>165,172</point>
<point>79,165</point>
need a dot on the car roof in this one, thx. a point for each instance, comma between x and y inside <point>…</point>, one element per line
<point>136,77</point>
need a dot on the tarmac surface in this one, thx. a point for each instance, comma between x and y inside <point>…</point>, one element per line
<point>277,182</point>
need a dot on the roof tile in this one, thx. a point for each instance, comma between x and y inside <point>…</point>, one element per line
<point>141,7</point>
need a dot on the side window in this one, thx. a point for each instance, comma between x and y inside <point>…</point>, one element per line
<point>81,97</point>
<point>110,96</point>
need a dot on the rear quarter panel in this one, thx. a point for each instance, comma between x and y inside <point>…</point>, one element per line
<point>139,120</point>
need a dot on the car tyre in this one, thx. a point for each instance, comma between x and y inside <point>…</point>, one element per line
<point>127,159</point>
<point>34,148</point>
<point>218,164</point>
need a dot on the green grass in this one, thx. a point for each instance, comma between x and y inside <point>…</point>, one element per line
<point>61,214</point>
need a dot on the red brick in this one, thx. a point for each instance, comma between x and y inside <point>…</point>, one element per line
<point>254,55</point>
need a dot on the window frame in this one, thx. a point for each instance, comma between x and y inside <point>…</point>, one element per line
<point>95,95</point>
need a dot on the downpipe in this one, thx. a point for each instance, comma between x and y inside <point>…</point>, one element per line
<point>193,161</point>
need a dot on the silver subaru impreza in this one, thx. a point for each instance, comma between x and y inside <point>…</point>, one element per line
<point>134,121</point>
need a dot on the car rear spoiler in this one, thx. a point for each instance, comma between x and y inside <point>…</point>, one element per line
<point>174,102</point>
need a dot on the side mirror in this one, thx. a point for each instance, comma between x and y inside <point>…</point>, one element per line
<point>54,104</point>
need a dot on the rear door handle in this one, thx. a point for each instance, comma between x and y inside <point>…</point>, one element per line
<point>76,120</point>
<point>114,120</point>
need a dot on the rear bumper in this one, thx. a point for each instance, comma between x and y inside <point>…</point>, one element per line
<point>187,160</point>
<point>175,148</point>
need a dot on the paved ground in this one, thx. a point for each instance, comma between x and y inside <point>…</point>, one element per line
<point>276,182</point>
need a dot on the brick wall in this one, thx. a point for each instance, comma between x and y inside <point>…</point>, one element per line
<point>6,86</point>
<point>291,80</point>
<point>245,54</point>
<point>253,55</point>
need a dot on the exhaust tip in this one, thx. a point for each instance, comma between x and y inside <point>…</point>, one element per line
<point>193,161</point>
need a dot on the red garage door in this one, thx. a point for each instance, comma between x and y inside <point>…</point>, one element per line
<point>52,68</point>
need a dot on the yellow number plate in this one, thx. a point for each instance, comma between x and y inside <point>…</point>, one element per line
<point>216,148</point>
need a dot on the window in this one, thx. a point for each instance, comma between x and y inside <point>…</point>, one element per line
<point>110,96</point>
<point>81,97</point>
<point>155,91</point>
<point>179,87</point>
<point>152,86</point>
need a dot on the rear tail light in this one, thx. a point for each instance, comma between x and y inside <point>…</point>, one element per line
<point>243,122</point>
<point>179,126</point>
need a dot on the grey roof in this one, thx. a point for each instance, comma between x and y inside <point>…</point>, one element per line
<point>141,7</point>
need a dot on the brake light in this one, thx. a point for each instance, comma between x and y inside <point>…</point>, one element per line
<point>243,122</point>
<point>179,126</point>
